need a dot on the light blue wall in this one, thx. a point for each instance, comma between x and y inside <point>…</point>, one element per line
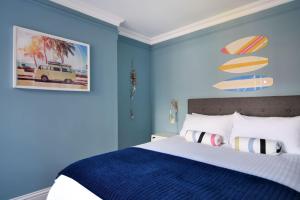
<point>43,131</point>
<point>138,130</point>
<point>186,67</point>
<point>36,140</point>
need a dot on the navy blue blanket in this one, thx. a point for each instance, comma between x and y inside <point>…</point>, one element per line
<point>136,173</point>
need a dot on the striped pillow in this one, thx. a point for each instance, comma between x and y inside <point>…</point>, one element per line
<point>204,138</point>
<point>255,145</point>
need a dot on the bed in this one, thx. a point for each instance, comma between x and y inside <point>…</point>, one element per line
<point>176,169</point>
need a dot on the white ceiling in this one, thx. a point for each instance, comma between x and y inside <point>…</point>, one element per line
<point>151,20</point>
<point>154,17</point>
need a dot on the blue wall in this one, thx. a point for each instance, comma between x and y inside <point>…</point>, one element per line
<point>186,67</point>
<point>36,140</point>
<point>138,130</point>
<point>43,131</point>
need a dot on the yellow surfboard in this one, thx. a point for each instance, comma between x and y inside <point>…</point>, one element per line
<point>246,83</point>
<point>244,64</point>
<point>246,45</point>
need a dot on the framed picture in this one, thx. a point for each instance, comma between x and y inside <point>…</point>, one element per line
<point>43,61</point>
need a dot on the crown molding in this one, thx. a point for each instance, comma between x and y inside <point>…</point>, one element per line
<point>236,13</point>
<point>134,35</point>
<point>84,8</point>
<point>219,19</point>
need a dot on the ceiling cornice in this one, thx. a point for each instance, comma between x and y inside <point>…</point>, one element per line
<point>91,11</point>
<point>219,19</point>
<point>202,24</point>
<point>134,35</point>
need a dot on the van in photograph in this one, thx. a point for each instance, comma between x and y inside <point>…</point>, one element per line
<point>55,72</point>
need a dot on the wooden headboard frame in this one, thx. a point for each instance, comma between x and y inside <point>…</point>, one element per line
<point>281,106</point>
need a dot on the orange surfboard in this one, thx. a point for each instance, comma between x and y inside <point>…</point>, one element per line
<point>246,45</point>
<point>244,64</point>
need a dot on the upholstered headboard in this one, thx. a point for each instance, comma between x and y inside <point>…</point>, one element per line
<point>283,106</point>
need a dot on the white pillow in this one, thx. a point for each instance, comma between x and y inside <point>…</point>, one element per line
<point>286,130</point>
<point>216,124</point>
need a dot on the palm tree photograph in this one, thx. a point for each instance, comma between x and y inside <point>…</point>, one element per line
<point>43,61</point>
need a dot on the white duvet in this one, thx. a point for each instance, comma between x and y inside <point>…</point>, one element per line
<point>284,169</point>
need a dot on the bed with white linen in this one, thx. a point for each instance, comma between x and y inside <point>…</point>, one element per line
<point>283,169</point>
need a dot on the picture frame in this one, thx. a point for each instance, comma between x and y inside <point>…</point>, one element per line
<point>48,62</point>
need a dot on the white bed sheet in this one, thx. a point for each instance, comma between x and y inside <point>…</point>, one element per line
<point>284,169</point>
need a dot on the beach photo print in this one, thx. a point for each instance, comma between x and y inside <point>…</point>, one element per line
<point>43,61</point>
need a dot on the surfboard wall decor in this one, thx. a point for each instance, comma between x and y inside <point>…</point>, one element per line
<point>246,83</point>
<point>246,45</point>
<point>244,64</point>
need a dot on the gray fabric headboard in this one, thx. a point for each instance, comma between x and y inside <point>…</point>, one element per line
<point>281,106</point>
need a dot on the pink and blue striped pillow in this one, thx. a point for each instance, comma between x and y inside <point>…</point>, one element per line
<point>204,138</point>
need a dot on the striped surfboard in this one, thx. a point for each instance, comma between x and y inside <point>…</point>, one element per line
<point>244,64</point>
<point>246,45</point>
<point>246,83</point>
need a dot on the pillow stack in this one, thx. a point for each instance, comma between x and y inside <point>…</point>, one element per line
<point>285,130</point>
<point>220,124</point>
<point>263,135</point>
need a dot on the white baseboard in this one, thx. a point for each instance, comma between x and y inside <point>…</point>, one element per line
<point>37,195</point>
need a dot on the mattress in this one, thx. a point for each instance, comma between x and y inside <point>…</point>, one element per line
<point>283,169</point>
